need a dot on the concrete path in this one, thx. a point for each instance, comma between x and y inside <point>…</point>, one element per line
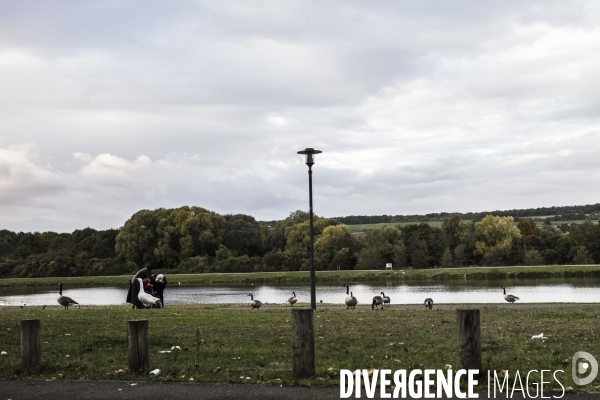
<point>75,390</point>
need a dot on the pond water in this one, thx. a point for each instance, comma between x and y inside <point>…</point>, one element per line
<point>461,292</point>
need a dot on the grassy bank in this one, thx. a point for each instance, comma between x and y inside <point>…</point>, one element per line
<point>547,271</point>
<point>231,344</point>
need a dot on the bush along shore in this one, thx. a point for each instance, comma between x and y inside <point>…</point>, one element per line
<point>233,343</point>
<point>519,272</point>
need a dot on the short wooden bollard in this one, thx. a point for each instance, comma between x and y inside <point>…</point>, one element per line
<point>303,343</point>
<point>31,345</point>
<point>138,347</point>
<point>469,339</point>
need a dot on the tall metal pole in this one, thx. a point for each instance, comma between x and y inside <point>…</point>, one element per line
<point>313,295</point>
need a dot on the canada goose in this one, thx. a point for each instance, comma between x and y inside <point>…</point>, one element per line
<point>509,297</point>
<point>147,300</point>
<point>377,301</point>
<point>350,299</point>
<point>386,299</point>
<point>428,303</point>
<point>292,300</point>
<point>65,301</point>
<point>255,303</point>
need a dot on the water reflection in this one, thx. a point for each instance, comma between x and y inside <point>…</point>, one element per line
<point>469,291</point>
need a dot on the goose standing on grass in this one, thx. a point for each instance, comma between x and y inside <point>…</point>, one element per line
<point>292,300</point>
<point>386,299</point>
<point>350,301</point>
<point>377,301</point>
<point>254,303</point>
<point>509,297</point>
<point>428,303</point>
<point>147,300</point>
<point>65,301</point>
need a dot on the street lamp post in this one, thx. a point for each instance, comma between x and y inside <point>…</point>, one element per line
<point>309,154</point>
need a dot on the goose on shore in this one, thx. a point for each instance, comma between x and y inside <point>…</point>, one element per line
<point>377,301</point>
<point>350,301</point>
<point>292,300</point>
<point>254,303</point>
<point>65,301</point>
<point>147,300</point>
<point>386,299</point>
<point>509,297</point>
<point>428,303</point>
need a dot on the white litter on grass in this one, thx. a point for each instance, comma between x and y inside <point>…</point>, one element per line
<point>175,348</point>
<point>164,351</point>
<point>248,378</point>
<point>155,372</point>
<point>191,379</point>
<point>3,353</point>
<point>539,337</point>
<point>67,356</point>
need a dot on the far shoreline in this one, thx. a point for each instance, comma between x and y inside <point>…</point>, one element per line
<point>350,276</point>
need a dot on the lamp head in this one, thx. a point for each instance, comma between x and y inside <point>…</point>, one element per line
<point>309,154</point>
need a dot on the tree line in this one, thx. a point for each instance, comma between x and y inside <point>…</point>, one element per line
<point>196,240</point>
<point>565,213</point>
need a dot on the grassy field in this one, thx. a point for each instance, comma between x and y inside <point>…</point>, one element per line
<point>234,343</point>
<point>547,271</point>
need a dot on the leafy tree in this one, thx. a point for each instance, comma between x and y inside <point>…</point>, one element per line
<point>28,244</point>
<point>46,239</point>
<point>188,232</point>
<point>451,225</point>
<point>587,235</point>
<point>8,241</point>
<point>275,237</point>
<point>528,227</point>
<point>370,258</point>
<point>495,237</point>
<point>582,257</point>
<point>274,260</point>
<point>533,257</point>
<point>460,255</point>
<point>382,245</point>
<point>336,247</point>
<point>297,248</point>
<point>138,238</point>
<point>425,245</point>
<point>446,261</point>
<point>242,235</point>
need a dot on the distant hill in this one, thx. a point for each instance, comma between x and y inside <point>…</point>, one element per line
<point>565,213</point>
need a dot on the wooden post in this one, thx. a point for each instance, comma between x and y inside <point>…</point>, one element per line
<point>31,345</point>
<point>138,347</point>
<point>303,343</point>
<point>469,339</point>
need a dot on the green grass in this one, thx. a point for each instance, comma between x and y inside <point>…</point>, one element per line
<point>547,271</point>
<point>230,343</point>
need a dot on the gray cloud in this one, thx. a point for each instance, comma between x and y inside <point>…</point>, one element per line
<point>110,107</point>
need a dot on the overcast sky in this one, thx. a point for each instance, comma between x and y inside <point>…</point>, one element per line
<point>110,107</point>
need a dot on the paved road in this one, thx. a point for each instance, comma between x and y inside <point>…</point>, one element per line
<point>67,390</point>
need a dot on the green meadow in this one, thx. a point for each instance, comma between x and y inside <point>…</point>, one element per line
<point>236,344</point>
